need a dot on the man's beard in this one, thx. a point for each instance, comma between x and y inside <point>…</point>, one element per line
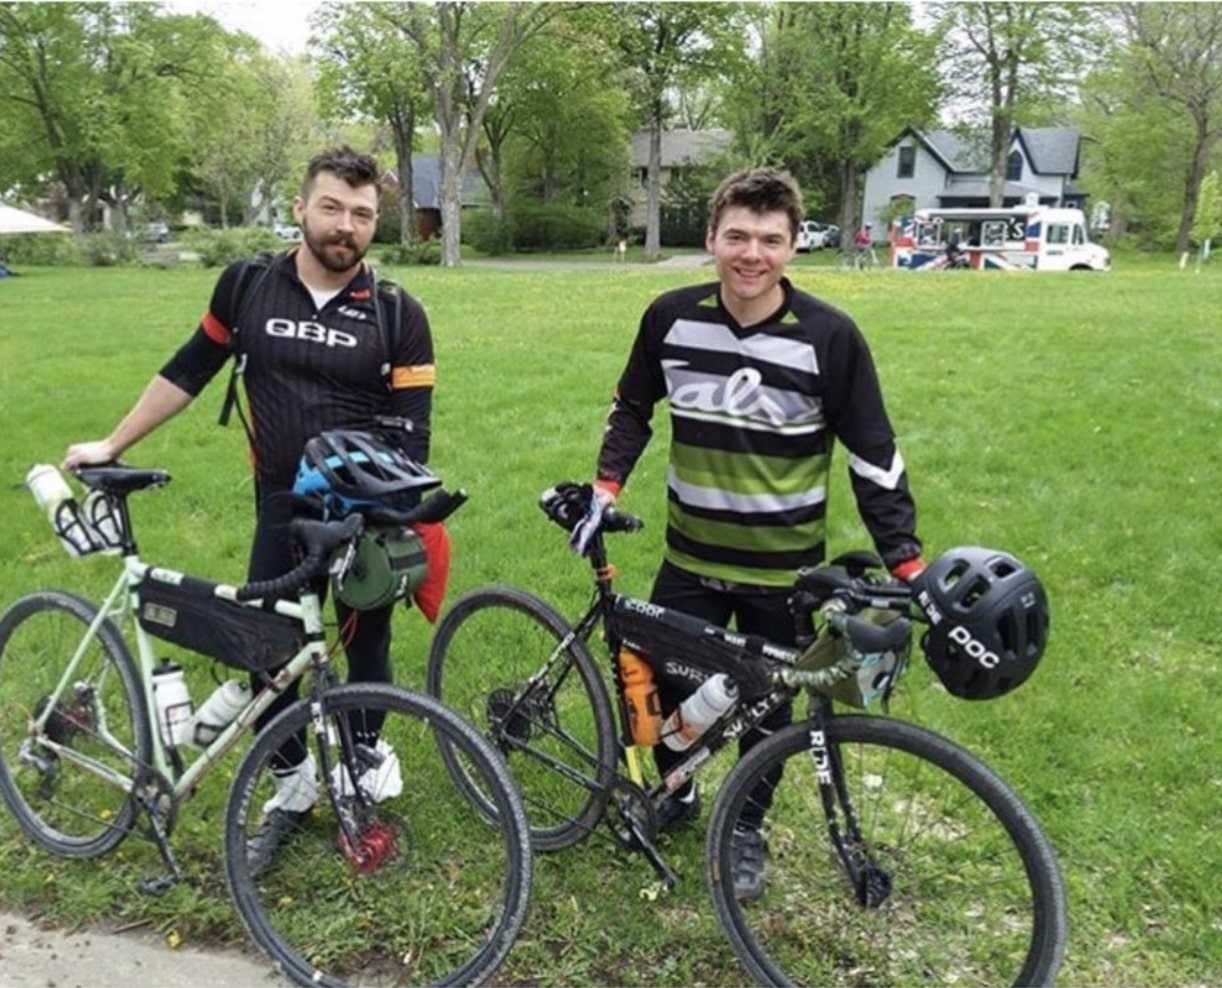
<point>319,248</point>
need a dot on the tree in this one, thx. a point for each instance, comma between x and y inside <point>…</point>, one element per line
<point>1009,55</point>
<point>667,46</point>
<point>1177,49</point>
<point>97,93</point>
<point>448,37</point>
<point>371,69</point>
<point>860,73</point>
<point>1208,221</point>
<point>569,139</point>
<point>1131,175</point>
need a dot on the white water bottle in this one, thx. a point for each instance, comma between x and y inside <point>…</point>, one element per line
<point>697,713</point>
<point>49,488</point>
<point>226,702</point>
<point>173,704</point>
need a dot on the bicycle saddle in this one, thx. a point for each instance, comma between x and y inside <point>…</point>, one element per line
<point>115,478</point>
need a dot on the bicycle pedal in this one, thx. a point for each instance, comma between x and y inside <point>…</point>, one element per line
<point>157,886</point>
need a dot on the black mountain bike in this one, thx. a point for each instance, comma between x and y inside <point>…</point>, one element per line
<point>896,857</point>
<point>383,884</point>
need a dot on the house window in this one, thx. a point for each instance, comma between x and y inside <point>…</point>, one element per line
<point>1014,166</point>
<point>907,163</point>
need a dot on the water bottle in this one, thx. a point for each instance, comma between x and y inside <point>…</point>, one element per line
<point>697,713</point>
<point>641,696</point>
<point>226,702</point>
<point>49,488</point>
<point>173,704</point>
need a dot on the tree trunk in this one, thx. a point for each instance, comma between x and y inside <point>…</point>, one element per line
<point>1192,184</point>
<point>451,204</point>
<point>653,201</point>
<point>75,213</point>
<point>1000,147</point>
<point>848,203</point>
<point>403,126</point>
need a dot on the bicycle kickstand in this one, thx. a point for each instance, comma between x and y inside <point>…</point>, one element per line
<point>159,884</point>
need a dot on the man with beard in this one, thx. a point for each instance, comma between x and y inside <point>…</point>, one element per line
<point>312,333</point>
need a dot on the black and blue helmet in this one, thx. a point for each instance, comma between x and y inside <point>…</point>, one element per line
<point>356,469</point>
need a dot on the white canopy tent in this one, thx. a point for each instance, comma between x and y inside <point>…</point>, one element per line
<point>14,220</point>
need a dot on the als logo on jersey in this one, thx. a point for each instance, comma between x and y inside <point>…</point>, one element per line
<point>313,331</point>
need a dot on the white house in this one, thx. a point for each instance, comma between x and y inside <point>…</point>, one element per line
<point>938,168</point>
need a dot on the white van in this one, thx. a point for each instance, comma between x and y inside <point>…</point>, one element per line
<point>810,236</point>
<point>1015,238</point>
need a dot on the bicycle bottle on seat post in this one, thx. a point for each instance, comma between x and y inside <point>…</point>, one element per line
<point>641,697</point>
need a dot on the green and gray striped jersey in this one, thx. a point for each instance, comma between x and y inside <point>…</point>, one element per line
<point>754,412</point>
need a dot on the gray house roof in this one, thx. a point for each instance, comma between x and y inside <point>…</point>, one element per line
<point>680,146</point>
<point>426,183</point>
<point>1051,150</point>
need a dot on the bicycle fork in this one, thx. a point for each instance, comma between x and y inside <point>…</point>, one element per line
<point>870,882</point>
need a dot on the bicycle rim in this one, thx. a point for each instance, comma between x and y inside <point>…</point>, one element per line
<point>553,723</point>
<point>959,885</point>
<point>412,886</point>
<point>98,715</point>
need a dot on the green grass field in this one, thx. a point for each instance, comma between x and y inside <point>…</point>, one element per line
<point>1072,419</point>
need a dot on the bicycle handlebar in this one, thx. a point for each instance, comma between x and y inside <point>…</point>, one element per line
<point>618,520</point>
<point>320,538</point>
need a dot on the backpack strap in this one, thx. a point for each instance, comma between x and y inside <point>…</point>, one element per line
<point>246,287</point>
<point>387,294</point>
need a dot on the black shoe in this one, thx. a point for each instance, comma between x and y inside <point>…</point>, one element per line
<point>273,829</point>
<point>747,852</point>
<point>674,813</point>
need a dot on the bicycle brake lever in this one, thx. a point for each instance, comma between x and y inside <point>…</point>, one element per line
<point>342,565</point>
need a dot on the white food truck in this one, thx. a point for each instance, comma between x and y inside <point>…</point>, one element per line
<point>1014,238</point>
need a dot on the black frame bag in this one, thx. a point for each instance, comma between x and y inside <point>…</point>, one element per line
<point>194,619</point>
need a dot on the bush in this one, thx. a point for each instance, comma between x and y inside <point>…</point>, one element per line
<point>428,252</point>
<point>217,248</point>
<point>107,249</point>
<point>45,249</point>
<point>483,231</point>
<point>556,227</point>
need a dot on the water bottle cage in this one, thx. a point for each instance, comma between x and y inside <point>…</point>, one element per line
<point>95,526</point>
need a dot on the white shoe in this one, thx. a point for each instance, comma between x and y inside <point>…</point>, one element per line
<point>378,783</point>
<point>296,792</point>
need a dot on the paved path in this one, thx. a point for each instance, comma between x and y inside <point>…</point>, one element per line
<point>525,264</point>
<point>34,958</point>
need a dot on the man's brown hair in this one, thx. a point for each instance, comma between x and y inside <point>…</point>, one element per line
<point>762,190</point>
<point>357,169</point>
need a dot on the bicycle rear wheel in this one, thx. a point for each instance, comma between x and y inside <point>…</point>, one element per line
<point>98,715</point>
<point>510,664</point>
<point>423,890</point>
<point>958,885</point>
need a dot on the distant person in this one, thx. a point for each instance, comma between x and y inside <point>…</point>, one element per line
<point>761,379</point>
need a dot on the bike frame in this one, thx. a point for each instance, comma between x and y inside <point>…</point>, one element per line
<point>121,605</point>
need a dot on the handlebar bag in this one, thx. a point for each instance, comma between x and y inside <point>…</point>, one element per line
<point>187,614</point>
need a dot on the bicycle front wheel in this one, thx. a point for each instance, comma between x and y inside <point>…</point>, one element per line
<point>62,780</point>
<point>395,880</point>
<point>953,880</point>
<point>510,664</point>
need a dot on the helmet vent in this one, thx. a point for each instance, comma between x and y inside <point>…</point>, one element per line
<point>1003,568</point>
<point>955,574</point>
<point>978,588</point>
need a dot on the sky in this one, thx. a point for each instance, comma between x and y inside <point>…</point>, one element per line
<point>282,25</point>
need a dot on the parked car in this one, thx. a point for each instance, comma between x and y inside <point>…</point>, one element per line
<point>157,232</point>
<point>831,235</point>
<point>810,236</point>
<point>287,231</point>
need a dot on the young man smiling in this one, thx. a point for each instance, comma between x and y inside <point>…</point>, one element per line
<point>760,378</point>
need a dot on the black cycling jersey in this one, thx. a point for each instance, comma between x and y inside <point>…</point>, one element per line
<point>308,369</point>
<point>754,411</point>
